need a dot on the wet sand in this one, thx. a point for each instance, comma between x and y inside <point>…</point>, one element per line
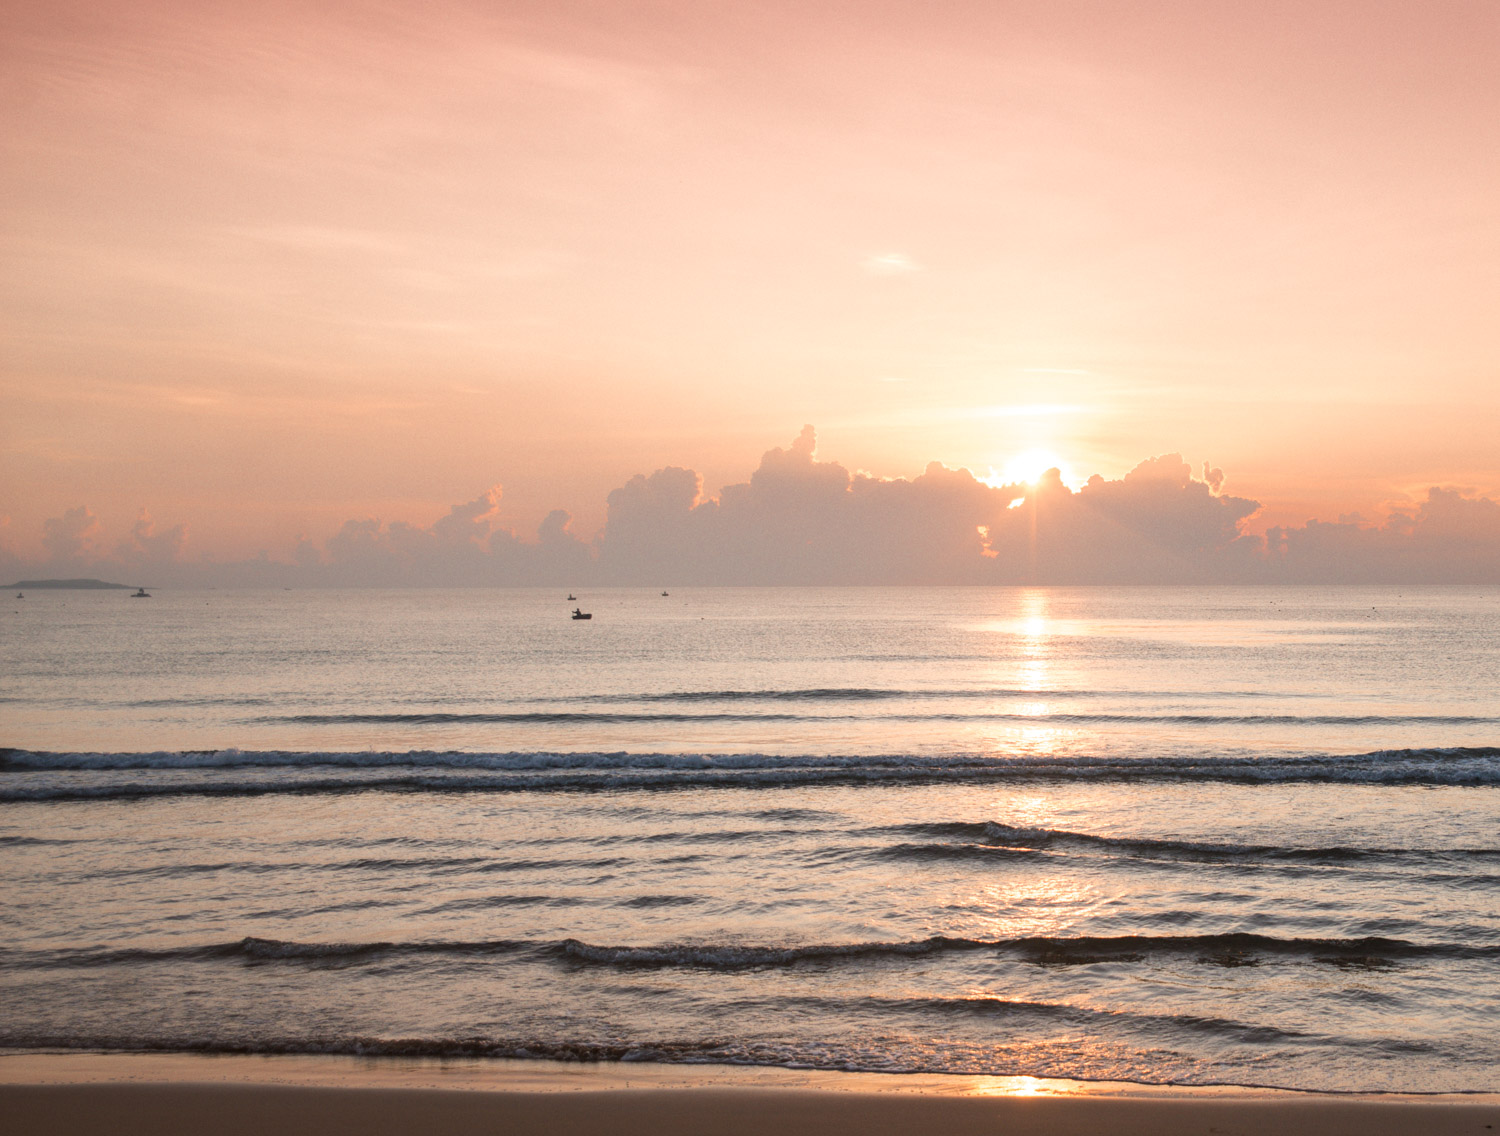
<point>74,1094</point>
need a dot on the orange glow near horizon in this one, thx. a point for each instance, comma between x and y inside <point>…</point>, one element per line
<point>272,268</point>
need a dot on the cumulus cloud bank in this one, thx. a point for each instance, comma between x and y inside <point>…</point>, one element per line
<point>465,547</point>
<point>1448,538</point>
<point>146,546</point>
<point>68,538</point>
<point>800,520</point>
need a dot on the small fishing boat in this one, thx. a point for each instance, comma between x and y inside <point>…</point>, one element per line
<point>571,596</point>
<point>664,593</point>
<point>20,595</point>
<point>577,614</point>
<point>140,594</point>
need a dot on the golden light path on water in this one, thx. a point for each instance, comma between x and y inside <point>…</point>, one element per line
<point>1151,834</point>
<point>1027,667</point>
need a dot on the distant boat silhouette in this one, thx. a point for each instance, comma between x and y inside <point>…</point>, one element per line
<point>20,595</point>
<point>571,596</point>
<point>664,593</point>
<point>140,594</point>
<point>582,614</point>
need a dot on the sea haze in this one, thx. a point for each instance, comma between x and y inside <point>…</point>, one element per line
<point>1160,834</point>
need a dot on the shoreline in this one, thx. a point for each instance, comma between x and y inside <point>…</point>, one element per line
<point>544,1075</point>
<point>60,1067</point>
<point>76,1092</point>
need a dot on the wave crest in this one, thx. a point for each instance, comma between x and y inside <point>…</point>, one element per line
<point>1236,948</point>
<point>36,775</point>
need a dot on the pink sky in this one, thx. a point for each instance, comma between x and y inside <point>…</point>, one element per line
<point>268,268</point>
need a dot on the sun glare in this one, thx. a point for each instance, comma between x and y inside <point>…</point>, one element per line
<point>1030,466</point>
<point>1027,468</point>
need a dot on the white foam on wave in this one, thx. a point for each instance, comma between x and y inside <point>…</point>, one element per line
<point>29,775</point>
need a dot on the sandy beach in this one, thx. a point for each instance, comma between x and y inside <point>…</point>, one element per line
<point>171,1094</point>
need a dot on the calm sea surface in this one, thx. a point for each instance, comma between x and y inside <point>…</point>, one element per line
<point>1180,835</point>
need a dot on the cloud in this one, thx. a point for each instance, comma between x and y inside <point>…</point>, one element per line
<point>453,550</point>
<point>557,556</point>
<point>889,264</point>
<point>466,547</point>
<point>145,546</point>
<point>1450,538</point>
<point>9,561</point>
<point>1157,524</point>
<point>68,538</point>
<point>799,520</point>
<point>305,553</point>
<point>470,523</point>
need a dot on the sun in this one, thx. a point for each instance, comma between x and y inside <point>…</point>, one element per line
<point>1027,467</point>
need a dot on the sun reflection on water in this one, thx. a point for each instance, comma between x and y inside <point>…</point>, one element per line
<point>1036,640</point>
<point>1028,810</point>
<point>1047,906</point>
<point>1025,666</point>
<point>1013,1087</point>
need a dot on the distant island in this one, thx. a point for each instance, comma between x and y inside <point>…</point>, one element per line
<point>78,584</point>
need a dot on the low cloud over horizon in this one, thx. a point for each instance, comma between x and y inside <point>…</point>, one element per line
<point>799,520</point>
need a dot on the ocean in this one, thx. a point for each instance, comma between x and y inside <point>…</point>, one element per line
<point>1238,836</point>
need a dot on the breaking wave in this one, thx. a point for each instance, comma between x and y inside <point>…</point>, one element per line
<point>38,776</point>
<point>1228,949</point>
<point>615,717</point>
<point>987,838</point>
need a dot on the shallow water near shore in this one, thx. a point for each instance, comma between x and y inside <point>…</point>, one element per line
<point>1192,836</point>
<point>539,1075</point>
